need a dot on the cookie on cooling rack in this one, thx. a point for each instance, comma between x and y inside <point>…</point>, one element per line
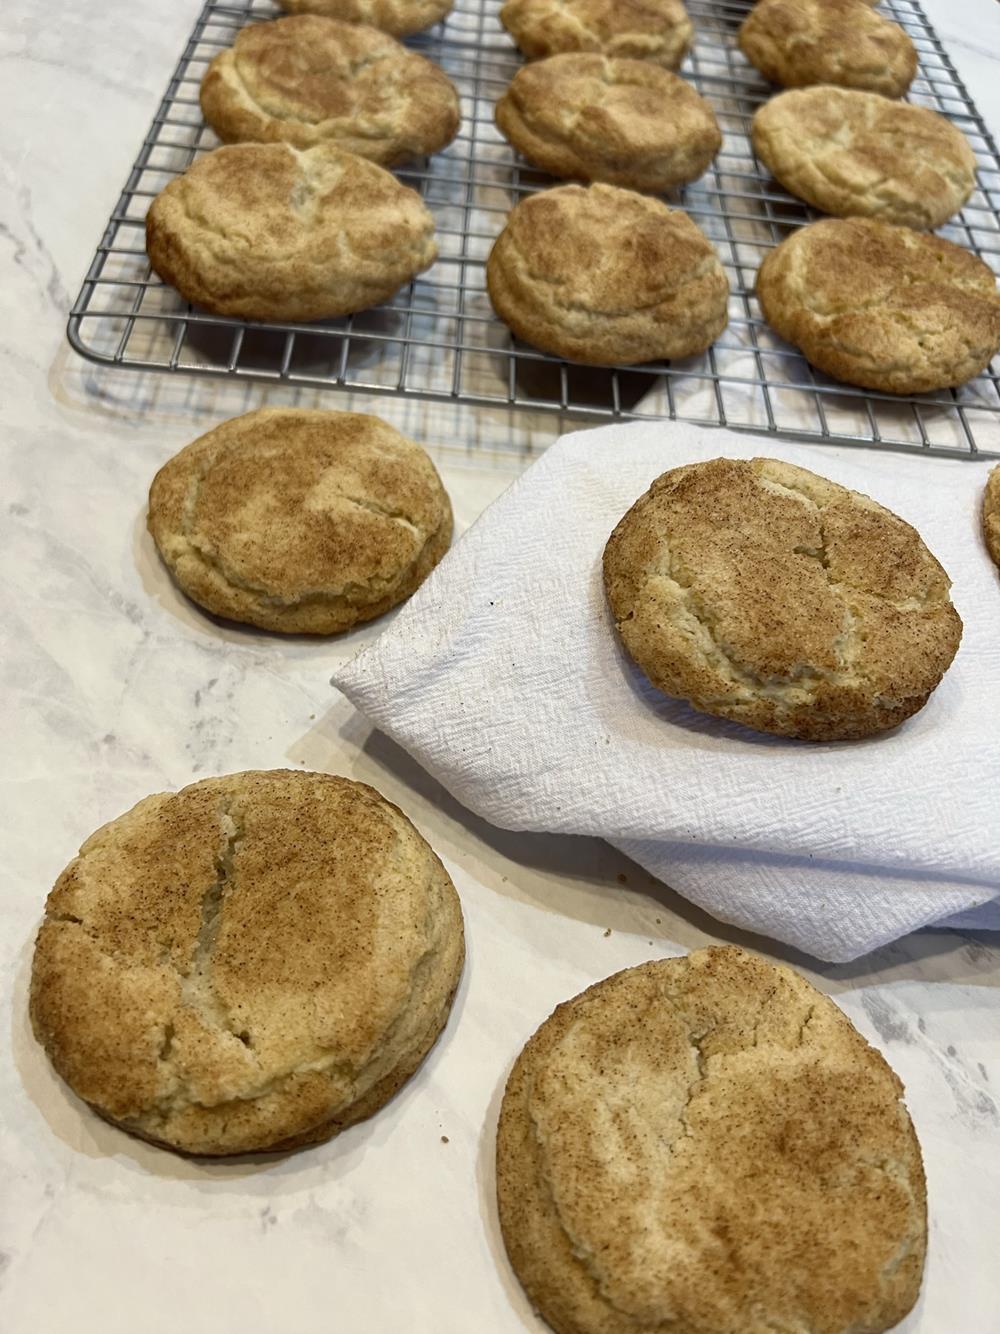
<point>762,593</point>
<point>299,521</point>
<point>800,42</point>
<point>399,17</point>
<point>858,154</point>
<point>266,232</point>
<point>306,80</point>
<point>707,1143</point>
<point>656,30</point>
<point>880,306</point>
<point>252,963</point>
<point>991,514</point>
<point>607,276</point>
<point>625,122</point>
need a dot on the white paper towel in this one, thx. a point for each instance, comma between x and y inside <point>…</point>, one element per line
<point>503,677</point>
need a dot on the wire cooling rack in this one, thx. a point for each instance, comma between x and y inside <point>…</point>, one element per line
<point>439,339</point>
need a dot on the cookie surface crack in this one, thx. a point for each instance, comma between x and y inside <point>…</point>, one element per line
<point>384,512</point>
<point>590,1259</point>
<point>322,1061</point>
<point>202,550</point>
<point>696,1084</point>
<point>197,987</point>
<point>701,625</point>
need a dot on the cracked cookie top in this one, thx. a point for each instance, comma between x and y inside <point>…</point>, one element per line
<point>300,521</point>
<point>306,80</point>
<point>858,154</point>
<point>607,277</point>
<point>656,30</point>
<point>707,1143</point>
<point>625,122</point>
<point>400,17</point>
<point>800,42</point>
<point>271,232</point>
<point>253,962</point>
<point>761,592</point>
<point>991,514</point>
<point>881,306</point>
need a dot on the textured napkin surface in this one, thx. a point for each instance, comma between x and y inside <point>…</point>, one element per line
<point>503,677</point>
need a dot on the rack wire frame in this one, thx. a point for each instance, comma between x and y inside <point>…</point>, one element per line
<point>439,339</point>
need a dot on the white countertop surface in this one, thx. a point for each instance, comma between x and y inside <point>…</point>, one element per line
<point>116,687</point>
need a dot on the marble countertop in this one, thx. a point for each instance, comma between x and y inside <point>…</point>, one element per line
<point>116,687</point>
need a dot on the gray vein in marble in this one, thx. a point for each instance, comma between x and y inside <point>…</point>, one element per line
<point>890,1025</point>
<point>975,47</point>
<point>95,76</point>
<point>50,283</point>
<point>973,1103</point>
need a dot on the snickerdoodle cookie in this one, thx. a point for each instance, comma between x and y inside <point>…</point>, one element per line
<point>607,276</point>
<point>300,521</point>
<point>858,154</point>
<point>399,17</point>
<point>265,231</point>
<point>626,122</point>
<point>657,30</point>
<point>252,963</point>
<point>307,80</point>
<point>991,514</point>
<point>845,42</point>
<point>880,306</point>
<point>706,1144</point>
<point>763,593</point>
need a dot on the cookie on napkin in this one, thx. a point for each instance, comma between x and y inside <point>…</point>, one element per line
<point>504,678</point>
<point>991,514</point>
<point>763,593</point>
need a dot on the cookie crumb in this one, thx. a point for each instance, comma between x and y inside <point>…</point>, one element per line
<point>445,1139</point>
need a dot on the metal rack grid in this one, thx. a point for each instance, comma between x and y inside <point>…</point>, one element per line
<point>439,339</point>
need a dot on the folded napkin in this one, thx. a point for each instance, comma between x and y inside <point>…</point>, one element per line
<point>503,677</point>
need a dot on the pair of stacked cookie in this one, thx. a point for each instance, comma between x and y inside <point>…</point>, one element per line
<point>299,218</point>
<point>262,959</point>
<point>870,300</point>
<point>607,275</point>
